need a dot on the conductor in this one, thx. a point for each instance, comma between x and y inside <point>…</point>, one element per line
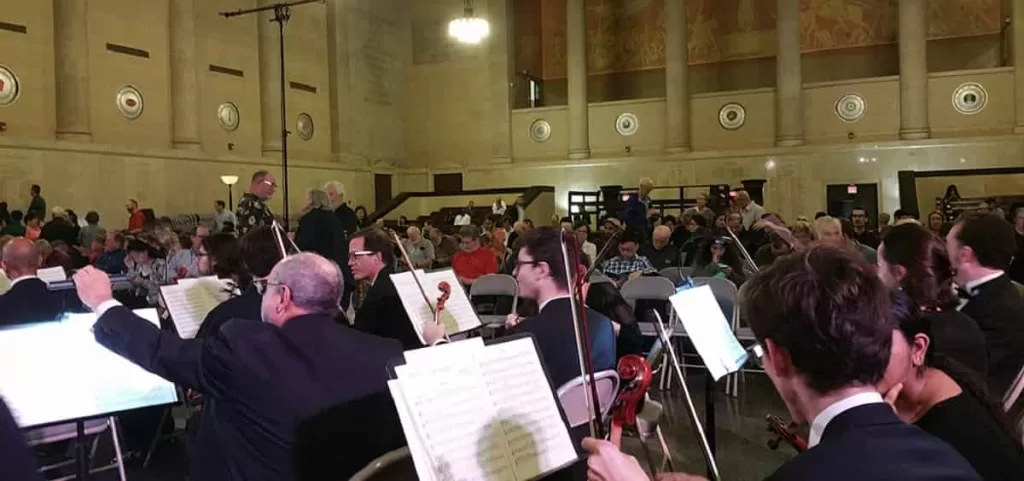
<point>260,379</point>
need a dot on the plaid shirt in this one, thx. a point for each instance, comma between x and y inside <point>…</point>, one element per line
<point>618,268</point>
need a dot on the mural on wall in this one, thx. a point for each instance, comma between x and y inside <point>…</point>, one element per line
<point>626,36</point>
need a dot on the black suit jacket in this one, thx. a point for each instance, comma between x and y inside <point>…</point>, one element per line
<point>382,313</point>
<point>348,218</point>
<point>30,301</point>
<point>260,381</point>
<point>320,231</point>
<point>16,461</point>
<point>870,443</point>
<point>999,311</point>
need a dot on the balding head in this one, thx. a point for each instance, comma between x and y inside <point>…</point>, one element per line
<point>413,233</point>
<point>301,284</point>
<point>660,236</point>
<point>20,258</point>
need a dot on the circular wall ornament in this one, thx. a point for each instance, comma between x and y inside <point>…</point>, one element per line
<point>540,130</point>
<point>304,125</point>
<point>731,116</point>
<point>129,102</point>
<point>10,86</point>
<point>626,124</point>
<point>850,107</point>
<point>970,98</point>
<point>227,113</point>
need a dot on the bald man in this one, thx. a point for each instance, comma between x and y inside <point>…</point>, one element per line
<point>750,212</point>
<point>259,380</point>
<point>28,300</point>
<point>420,250</point>
<point>659,251</point>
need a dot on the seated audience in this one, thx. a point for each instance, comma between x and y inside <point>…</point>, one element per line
<point>112,260</point>
<point>28,299</point>
<point>628,264</point>
<point>371,257</point>
<point>420,250</point>
<point>716,258</point>
<point>701,209</point>
<point>444,247</point>
<point>824,320</point>
<point>59,228</point>
<point>184,263</point>
<point>849,237</point>
<point>147,270</point>
<point>589,249</point>
<point>14,227</point>
<point>659,251</point>
<point>472,262</point>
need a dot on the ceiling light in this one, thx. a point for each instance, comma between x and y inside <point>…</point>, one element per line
<point>469,28</point>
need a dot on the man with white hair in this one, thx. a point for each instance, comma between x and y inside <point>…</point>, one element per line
<point>749,210</point>
<point>336,192</point>
<point>639,206</point>
<point>420,250</point>
<point>259,380</point>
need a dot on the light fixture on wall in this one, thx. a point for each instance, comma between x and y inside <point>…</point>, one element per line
<point>469,28</point>
<point>230,180</point>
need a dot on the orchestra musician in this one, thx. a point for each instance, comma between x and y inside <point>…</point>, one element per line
<point>371,256</point>
<point>259,380</point>
<point>824,320</point>
<point>28,299</point>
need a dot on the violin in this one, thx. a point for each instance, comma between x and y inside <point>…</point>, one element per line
<point>784,432</point>
<point>635,376</point>
<point>446,292</point>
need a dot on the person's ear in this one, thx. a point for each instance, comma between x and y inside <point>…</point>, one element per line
<point>776,359</point>
<point>919,350</point>
<point>899,272</point>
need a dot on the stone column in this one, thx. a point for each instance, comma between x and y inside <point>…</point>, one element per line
<point>1017,32</point>
<point>576,60</point>
<point>789,110</point>
<point>184,80</point>
<point>270,84</point>
<point>677,76</point>
<point>71,52</point>
<point>500,69</point>
<point>913,31</point>
<point>337,64</point>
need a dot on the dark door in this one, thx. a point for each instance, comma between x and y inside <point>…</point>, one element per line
<point>843,198</point>
<point>381,189</point>
<point>448,183</point>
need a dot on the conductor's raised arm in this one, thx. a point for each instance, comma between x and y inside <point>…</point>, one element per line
<point>201,365</point>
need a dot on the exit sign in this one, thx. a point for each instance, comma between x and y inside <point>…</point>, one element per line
<point>851,189</point>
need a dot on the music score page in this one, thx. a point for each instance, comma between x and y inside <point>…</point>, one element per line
<point>190,300</point>
<point>458,314</point>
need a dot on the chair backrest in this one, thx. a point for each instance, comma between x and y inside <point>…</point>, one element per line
<point>727,295</point>
<point>648,288</point>
<point>676,274</point>
<point>396,465</point>
<point>494,285</point>
<point>573,396</point>
<point>597,277</point>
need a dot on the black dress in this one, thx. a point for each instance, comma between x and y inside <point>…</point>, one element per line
<point>963,423</point>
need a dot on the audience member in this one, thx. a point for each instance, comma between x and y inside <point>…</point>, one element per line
<point>92,229</point>
<point>628,264</point>
<point>112,260</point>
<point>420,250</point>
<point>185,263</point>
<point>136,219</point>
<point>582,231</point>
<point>37,205</point>
<point>748,209</point>
<point>472,262</point>
<point>336,193</point>
<point>659,251</point>
<point>223,218</point>
<point>28,300</point>
<point>861,232</point>
<point>444,247</point>
<point>252,210</point>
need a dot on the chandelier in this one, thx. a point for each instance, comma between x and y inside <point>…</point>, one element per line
<point>469,28</point>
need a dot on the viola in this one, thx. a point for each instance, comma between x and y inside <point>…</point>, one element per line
<point>784,432</point>
<point>446,292</point>
<point>635,376</point>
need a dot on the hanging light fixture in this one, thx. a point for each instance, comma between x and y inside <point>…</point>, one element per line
<point>469,28</point>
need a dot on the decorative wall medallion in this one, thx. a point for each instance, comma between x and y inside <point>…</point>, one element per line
<point>970,98</point>
<point>129,102</point>
<point>850,107</point>
<point>10,86</point>
<point>731,116</point>
<point>540,130</point>
<point>304,125</point>
<point>626,124</point>
<point>227,113</point>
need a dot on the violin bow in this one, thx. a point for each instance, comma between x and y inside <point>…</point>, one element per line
<point>601,255</point>
<point>743,250</point>
<point>412,270</point>
<point>581,330</point>
<point>280,235</point>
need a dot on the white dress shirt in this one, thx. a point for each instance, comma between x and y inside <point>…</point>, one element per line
<point>22,278</point>
<point>972,286</point>
<point>825,416</point>
<point>540,307</point>
<point>462,219</point>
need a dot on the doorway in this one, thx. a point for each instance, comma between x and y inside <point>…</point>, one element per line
<point>843,198</point>
<point>448,183</point>
<point>381,190</point>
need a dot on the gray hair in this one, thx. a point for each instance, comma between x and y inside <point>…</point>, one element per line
<point>318,200</point>
<point>315,282</point>
<point>337,186</point>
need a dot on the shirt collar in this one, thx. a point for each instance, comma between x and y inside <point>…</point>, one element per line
<point>970,286</point>
<point>548,301</point>
<point>22,278</point>
<point>828,414</point>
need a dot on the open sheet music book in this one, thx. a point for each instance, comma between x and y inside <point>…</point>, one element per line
<point>710,333</point>
<point>52,274</point>
<point>471,411</point>
<point>190,300</point>
<point>458,315</point>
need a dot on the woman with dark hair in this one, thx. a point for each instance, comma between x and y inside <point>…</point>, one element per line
<point>948,401</point>
<point>219,256</point>
<point>717,257</point>
<point>936,225</point>
<point>916,262</point>
<point>147,269</point>
<point>362,217</point>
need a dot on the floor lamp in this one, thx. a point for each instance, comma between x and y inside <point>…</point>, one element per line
<point>282,12</point>
<point>230,181</point>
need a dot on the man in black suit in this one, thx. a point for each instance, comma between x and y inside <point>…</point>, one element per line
<point>981,246</point>
<point>17,463</point>
<point>336,193</point>
<point>823,318</point>
<point>28,300</point>
<point>371,255</point>
<point>260,380</point>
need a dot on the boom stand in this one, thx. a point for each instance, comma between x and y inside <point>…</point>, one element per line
<point>282,12</point>
<point>706,444</point>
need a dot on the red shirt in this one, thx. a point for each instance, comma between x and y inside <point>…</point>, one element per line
<point>136,221</point>
<point>471,265</point>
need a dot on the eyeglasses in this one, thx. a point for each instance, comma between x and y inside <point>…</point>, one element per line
<point>362,253</point>
<point>269,182</point>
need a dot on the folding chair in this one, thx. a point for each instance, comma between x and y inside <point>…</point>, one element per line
<point>573,396</point>
<point>396,465</point>
<point>727,296</point>
<point>652,289</point>
<point>495,285</point>
<point>597,277</point>
<point>68,431</point>
<point>676,274</point>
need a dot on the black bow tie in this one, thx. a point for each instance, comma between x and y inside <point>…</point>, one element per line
<point>965,293</point>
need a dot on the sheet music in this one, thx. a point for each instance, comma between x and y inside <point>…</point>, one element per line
<point>52,274</point>
<point>705,324</point>
<point>481,412</point>
<point>529,415</point>
<point>458,315</point>
<point>190,300</point>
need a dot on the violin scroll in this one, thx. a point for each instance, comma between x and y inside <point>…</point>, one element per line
<point>446,292</point>
<point>784,432</point>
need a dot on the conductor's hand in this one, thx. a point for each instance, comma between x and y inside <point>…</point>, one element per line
<point>607,463</point>
<point>512,320</point>
<point>93,286</point>
<point>432,332</point>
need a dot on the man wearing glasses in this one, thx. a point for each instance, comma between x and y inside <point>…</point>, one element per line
<point>252,208</point>
<point>371,255</point>
<point>260,380</point>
